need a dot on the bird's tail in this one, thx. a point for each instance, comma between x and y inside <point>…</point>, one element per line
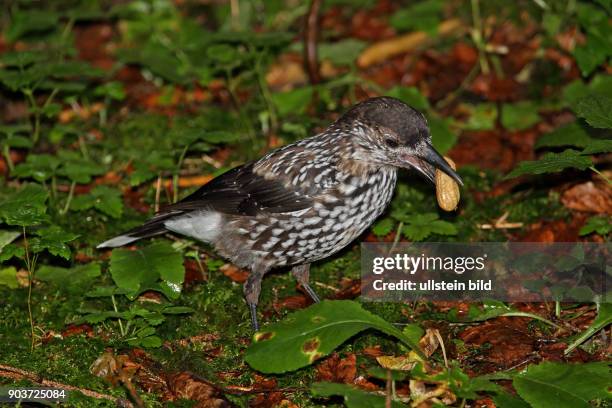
<point>155,226</point>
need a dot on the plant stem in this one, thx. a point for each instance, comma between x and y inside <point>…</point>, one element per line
<point>477,36</point>
<point>69,199</point>
<point>603,176</point>
<point>121,329</point>
<point>6,151</point>
<point>30,268</point>
<point>175,176</point>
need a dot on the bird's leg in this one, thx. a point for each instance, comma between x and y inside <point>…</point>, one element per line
<point>302,274</point>
<point>252,288</point>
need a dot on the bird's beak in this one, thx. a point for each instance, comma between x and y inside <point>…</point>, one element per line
<point>426,161</point>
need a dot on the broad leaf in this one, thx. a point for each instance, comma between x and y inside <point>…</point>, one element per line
<point>105,199</point>
<point>353,397</point>
<point>558,385</point>
<point>73,280</point>
<point>137,270</point>
<point>309,334</point>
<point>410,95</point>
<point>569,135</point>
<point>520,115</point>
<point>52,239</point>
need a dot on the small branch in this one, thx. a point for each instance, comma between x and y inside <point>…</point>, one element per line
<point>19,374</point>
<point>311,37</point>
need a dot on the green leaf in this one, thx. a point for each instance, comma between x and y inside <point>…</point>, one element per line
<point>598,146</point>
<point>292,102</point>
<point>603,319</point>
<point>505,400</point>
<point>353,397</point>
<point>31,21</point>
<point>53,239</point>
<point>483,117</point>
<point>520,115</point>
<point>103,198</point>
<point>599,224</point>
<point>343,52</point>
<point>552,163</point>
<point>592,54</point>
<point>40,167</point>
<point>8,277</point>
<point>558,385</point>
<point>6,237</point>
<point>420,226</point>
<point>442,138</point>
<point>113,90</point>
<point>72,280</point>
<point>142,268</point>
<point>177,310</point>
<point>410,95</point>
<point>383,227</point>
<point>596,110</point>
<point>25,207</point>
<point>11,250</point>
<point>569,135</point>
<point>312,333</point>
<point>424,15</point>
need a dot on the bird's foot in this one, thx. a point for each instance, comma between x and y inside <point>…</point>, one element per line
<point>310,291</point>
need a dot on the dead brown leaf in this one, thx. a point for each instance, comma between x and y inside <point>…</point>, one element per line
<point>336,369</point>
<point>593,197</point>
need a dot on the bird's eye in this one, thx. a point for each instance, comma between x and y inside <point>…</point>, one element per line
<point>392,143</point>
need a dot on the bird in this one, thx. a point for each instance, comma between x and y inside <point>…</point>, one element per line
<point>304,201</point>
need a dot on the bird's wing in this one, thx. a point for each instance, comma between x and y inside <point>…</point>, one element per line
<point>241,191</point>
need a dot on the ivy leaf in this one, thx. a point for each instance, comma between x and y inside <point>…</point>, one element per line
<point>103,198</point>
<point>558,385</point>
<point>596,110</point>
<point>26,207</point>
<point>142,268</point>
<point>420,226</point>
<point>53,239</point>
<point>552,163</point>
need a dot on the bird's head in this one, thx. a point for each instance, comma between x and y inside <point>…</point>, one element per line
<point>387,132</point>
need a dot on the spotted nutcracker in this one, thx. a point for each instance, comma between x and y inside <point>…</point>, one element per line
<point>305,201</point>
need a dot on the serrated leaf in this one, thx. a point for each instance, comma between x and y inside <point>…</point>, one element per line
<point>7,236</point>
<point>353,397</point>
<point>383,227</point>
<point>24,22</point>
<point>103,198</point>
<point>596,110</point>
<point>420,226</point>
<point>598,146</point>
<point>559,385</point>
<point>11,250</point>
<point>591,55</point>
<point>135,270</point>
<point>600,224</point>
<point>552,163</point>
<point>40,167</point>
<point>52,239</point>
<point>569,135</point>
<point>25,207</point>
<point>312,333</point>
